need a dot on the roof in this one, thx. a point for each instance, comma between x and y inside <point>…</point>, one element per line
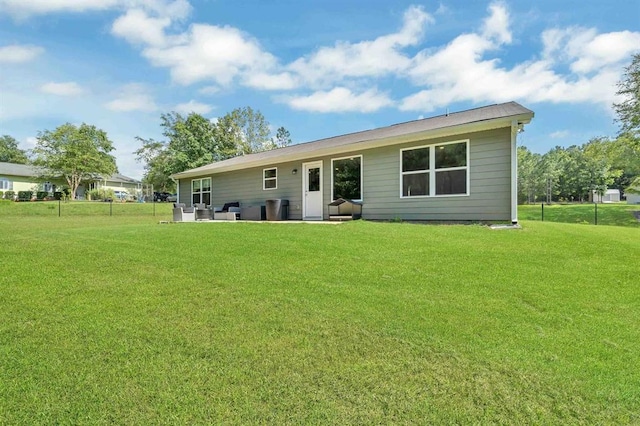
<point>26,170</point>
<point>483,118</point>
<point>121,179</point>
<point>12,169</point>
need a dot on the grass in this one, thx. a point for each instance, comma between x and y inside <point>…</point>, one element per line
<point>618,214</point>
<point>131,322</point>
<point>84,208</point>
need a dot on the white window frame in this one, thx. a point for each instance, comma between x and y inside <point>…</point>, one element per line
<point>349,157</point>
<point>432,171</point>
<point>6,184</point>
<point>201,192</point>
<point>265,179</point>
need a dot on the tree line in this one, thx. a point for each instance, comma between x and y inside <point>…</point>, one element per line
<point>570,174</point>
<point>81,154</point>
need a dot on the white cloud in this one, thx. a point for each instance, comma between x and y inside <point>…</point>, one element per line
<point>463,70</point>
<point>209,90</point>
<point>379,57</point>
<point>560,134</point>
<point>210,53</point>
<point>138,28</point>
<point>193,106</point>
<point>496,26</point>
<point>340,99</point>
<point>265,81</point>
<point>16,53</point>
<point>133,97</point>
<point>69,88</point>
<point>178,9</point>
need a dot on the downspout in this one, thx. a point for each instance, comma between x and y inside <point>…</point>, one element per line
<point>177,190</point>
<point>514,172</point>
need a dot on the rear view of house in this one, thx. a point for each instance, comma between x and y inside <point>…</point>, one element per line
<point>455,167</point>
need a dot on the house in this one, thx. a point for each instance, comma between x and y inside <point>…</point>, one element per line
<point>117,182</point>
<point>633,198</point>
<point>454,167</point>
<point>609,196</point>
<point>23,177</point>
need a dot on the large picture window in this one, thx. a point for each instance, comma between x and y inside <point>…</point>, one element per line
<point>434,170</point>
<point>201,191</point>
<point>346,178</point>
<point>270,178</point>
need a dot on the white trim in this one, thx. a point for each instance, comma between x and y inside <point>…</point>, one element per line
<point>432,171</point>
<point>514,171</point>
<point>265,179</point>
<point>201,192</point>
<point>361,175</point>
<point>318,163</point>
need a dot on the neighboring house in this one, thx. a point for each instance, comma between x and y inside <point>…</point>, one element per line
<point>609,196</point>
<point>117,182</point>
<point>455,167</point>
<point>23,177</point>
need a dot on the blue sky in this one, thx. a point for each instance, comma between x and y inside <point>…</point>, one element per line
<point>318,68</point>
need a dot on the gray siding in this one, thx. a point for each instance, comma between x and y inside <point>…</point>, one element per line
<point>489,193</point>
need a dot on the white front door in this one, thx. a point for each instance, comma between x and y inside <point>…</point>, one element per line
<point>312,191</point>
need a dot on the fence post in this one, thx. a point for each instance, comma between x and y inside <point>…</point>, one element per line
<point>596,213</point>
<point>59,201</point>
<point>542,205</point>
<point>111,208</point>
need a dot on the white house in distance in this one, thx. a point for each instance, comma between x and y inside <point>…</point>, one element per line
<point>610,196</point>
<point>24,177</point>
<point>460,166</point>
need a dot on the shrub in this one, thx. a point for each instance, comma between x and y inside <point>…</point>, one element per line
<point>41,195</point>
<point>100,194</point>
<point>9,195</point>
<point>1,195</point>
<point>25,195</point>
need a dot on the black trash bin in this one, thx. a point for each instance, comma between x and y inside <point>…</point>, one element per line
<point>277,209</point>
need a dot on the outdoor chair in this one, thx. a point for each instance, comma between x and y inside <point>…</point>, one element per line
<point>230,211</point>
<point>182,213</point>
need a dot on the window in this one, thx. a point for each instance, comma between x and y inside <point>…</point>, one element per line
<point>201,191</point>
<point>6,185</point>
<point>435,170</point>
<point>346,178</point>
<point>270,178</point>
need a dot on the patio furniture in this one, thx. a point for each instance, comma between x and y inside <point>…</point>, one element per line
<point>203,212</point>
<point>254,213</point>
<point>182,213</point>
<point>222,213</point>
<point>344,209</point>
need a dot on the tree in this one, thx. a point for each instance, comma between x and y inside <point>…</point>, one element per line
<point>195,141</point>
<point>283,138</point>
<point>251,130</point>
<point>9,151</point>
<point>74,153</point>
<point>530,178</point>
<point>628,110</point>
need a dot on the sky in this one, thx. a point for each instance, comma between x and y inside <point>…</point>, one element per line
<point>319,68</point>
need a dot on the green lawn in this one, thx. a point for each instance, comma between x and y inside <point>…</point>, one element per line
<point>127,321</point>
<point>619,214</point>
